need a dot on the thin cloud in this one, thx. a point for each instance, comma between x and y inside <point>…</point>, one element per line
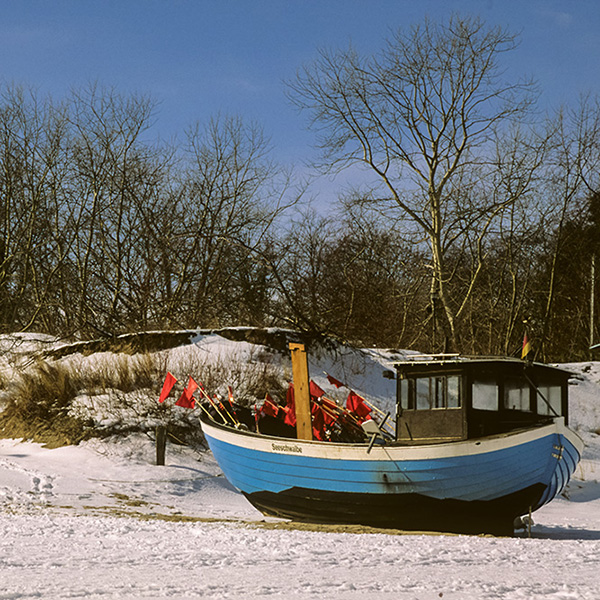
<point>559,18</point>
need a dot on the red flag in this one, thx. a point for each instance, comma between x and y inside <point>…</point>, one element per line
<point>269,408</point>
<point>187,400</point>
<point>356,405</point>
<point>334,381</point>
<point>167,387</point>
<point>192,386</point>
<point>330,404</point>
<point>290,409</point>
<point>315,390</point>
<point>329,418</point>
<point>331,407</point>
<point>231,401</point>
<point>318,422</point>
<point>217,400</point>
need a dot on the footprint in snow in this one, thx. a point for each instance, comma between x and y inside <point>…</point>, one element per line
<point>42,488</point>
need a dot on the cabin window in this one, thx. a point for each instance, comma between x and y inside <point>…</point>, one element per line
<point>453,397</point>
<point>485,394</point>
<point>517,395</point>
<point>549,396</point>
<point>423,395</point>
<point>406,400</point>
<point>427,393</point>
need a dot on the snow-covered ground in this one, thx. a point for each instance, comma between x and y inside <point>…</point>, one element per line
<point>100,520</point>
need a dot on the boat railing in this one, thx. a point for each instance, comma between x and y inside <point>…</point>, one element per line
<point>455,357</point>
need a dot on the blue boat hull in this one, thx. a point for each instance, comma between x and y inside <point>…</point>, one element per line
<point>474,486</point>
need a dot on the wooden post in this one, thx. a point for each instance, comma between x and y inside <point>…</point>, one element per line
<point>592,296</point>
<point>301,391</point>
<point>161,444</point>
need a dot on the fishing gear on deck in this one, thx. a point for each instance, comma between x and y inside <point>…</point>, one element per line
<point>330,421</point>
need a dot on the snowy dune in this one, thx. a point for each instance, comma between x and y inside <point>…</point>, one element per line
<point>99,520</point>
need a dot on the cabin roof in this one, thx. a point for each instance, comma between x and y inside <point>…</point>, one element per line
<point>433,362</point>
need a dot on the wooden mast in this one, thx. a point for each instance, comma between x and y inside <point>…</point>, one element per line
<point>301,391</point>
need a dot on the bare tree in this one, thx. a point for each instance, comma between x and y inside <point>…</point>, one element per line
<point>229,195</point>
<point>104,231</point>
<point>112,170</point>
<point>301,272</point>
<point>571,177</point>
<point>491,258</point>
<point>32,151</point>
<point>419,115</point>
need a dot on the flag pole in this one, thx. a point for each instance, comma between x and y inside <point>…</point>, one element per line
<point>203,392</point>
<point>370,404</point>
<point>384,415</point>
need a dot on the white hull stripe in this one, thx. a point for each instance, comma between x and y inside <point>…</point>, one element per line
<point>358,452</point>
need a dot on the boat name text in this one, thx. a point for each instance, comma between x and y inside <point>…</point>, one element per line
<point>286,448</point>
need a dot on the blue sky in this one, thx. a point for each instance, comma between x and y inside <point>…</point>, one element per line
<point>198,58</point>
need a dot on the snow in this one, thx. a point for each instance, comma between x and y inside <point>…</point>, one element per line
<point>101,521</point>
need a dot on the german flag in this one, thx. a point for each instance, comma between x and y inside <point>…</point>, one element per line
<point>526,347</point>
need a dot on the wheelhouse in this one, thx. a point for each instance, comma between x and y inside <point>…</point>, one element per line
<point>455,398</point>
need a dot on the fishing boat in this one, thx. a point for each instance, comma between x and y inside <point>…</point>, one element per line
<point>476,444</point>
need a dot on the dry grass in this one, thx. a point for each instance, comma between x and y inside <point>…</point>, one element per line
<point>64,401</point>
<point>38,406</point>
<point>250,374</point>
<point>122,372</point>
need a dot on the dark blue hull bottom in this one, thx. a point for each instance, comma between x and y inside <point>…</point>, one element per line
<point>410,512</point>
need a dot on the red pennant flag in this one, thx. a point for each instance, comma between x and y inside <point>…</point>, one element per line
<point>187,400</point>
<point>332,407</point>
<point>334,381</point>
<point>167,387</point>
<point>328,417</point>
<point>314,390</point>
<point>269,408</point>
<point>356,405</point>
<point>330,404</point>
<point>231,401</point>
<point>217,400</point>
<point>290,409</point>
<point>192,386</point>
<point>318,422</point>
